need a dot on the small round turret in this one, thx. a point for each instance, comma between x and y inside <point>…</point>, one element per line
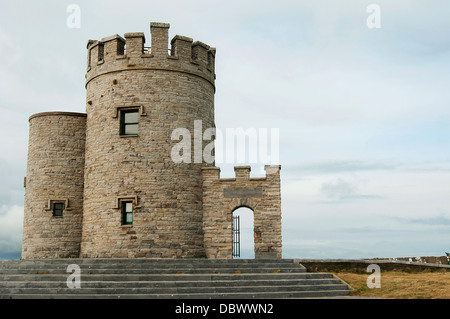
<point>54,186</point>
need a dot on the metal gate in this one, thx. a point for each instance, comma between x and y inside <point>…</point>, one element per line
<point>236,237</point>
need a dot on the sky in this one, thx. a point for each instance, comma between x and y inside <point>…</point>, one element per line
<point>359,98</point>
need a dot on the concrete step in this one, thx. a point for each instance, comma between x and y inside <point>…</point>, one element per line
<point>170,290</point>
<point>164,277</point>
<point>148,266</point>
<point>262,295</point>
<point>52,265</point>
<point>149,261</point>
<point>179,283</point>
<point>108,271</point>
<point>168,279</point>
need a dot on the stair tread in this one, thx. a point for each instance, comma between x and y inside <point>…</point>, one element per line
<point>250,295</point>
<point>175,289</point>
<point>177,285</point>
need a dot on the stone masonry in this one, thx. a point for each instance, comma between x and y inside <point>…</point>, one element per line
<point>221,196</point>
<point>55,174</point>
<point>86,163</point>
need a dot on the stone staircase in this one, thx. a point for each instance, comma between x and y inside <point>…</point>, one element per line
<point>165,279</point>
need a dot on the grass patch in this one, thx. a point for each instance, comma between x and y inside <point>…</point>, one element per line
<point>402,285</point>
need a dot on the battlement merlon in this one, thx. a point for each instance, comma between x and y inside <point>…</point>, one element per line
<point>160,38</point>
<point>116,53</point>
<point>242,173</point>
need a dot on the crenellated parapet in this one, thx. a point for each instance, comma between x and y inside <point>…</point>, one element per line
<point>116,53</point>
<point>242,174</point>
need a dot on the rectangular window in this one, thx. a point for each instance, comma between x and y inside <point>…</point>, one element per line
<point>127,213</point>
<point>129,122</point>
<point>58,209</point>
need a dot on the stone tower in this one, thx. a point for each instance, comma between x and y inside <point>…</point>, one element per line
<point>55,176</point>
<point>104,184</point>
<point>166,90</point>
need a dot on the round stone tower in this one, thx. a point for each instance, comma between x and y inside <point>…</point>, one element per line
<point>138,201</point>
<point>54,186</point>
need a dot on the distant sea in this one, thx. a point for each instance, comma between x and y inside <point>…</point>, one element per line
<point>10,256</point>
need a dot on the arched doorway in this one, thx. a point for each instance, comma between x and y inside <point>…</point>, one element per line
<point>243,233</point>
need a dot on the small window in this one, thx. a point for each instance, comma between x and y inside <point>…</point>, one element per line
<point>58,209</point>
<point>127,213</point>
<point>129,122</point>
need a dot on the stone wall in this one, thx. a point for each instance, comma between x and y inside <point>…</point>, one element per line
<point>444,260</point>
<point>221,196</point>
<point>360,265</point>
<point>55,172</point>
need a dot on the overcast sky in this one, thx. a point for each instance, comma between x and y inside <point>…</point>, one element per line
<point>362,113</point>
